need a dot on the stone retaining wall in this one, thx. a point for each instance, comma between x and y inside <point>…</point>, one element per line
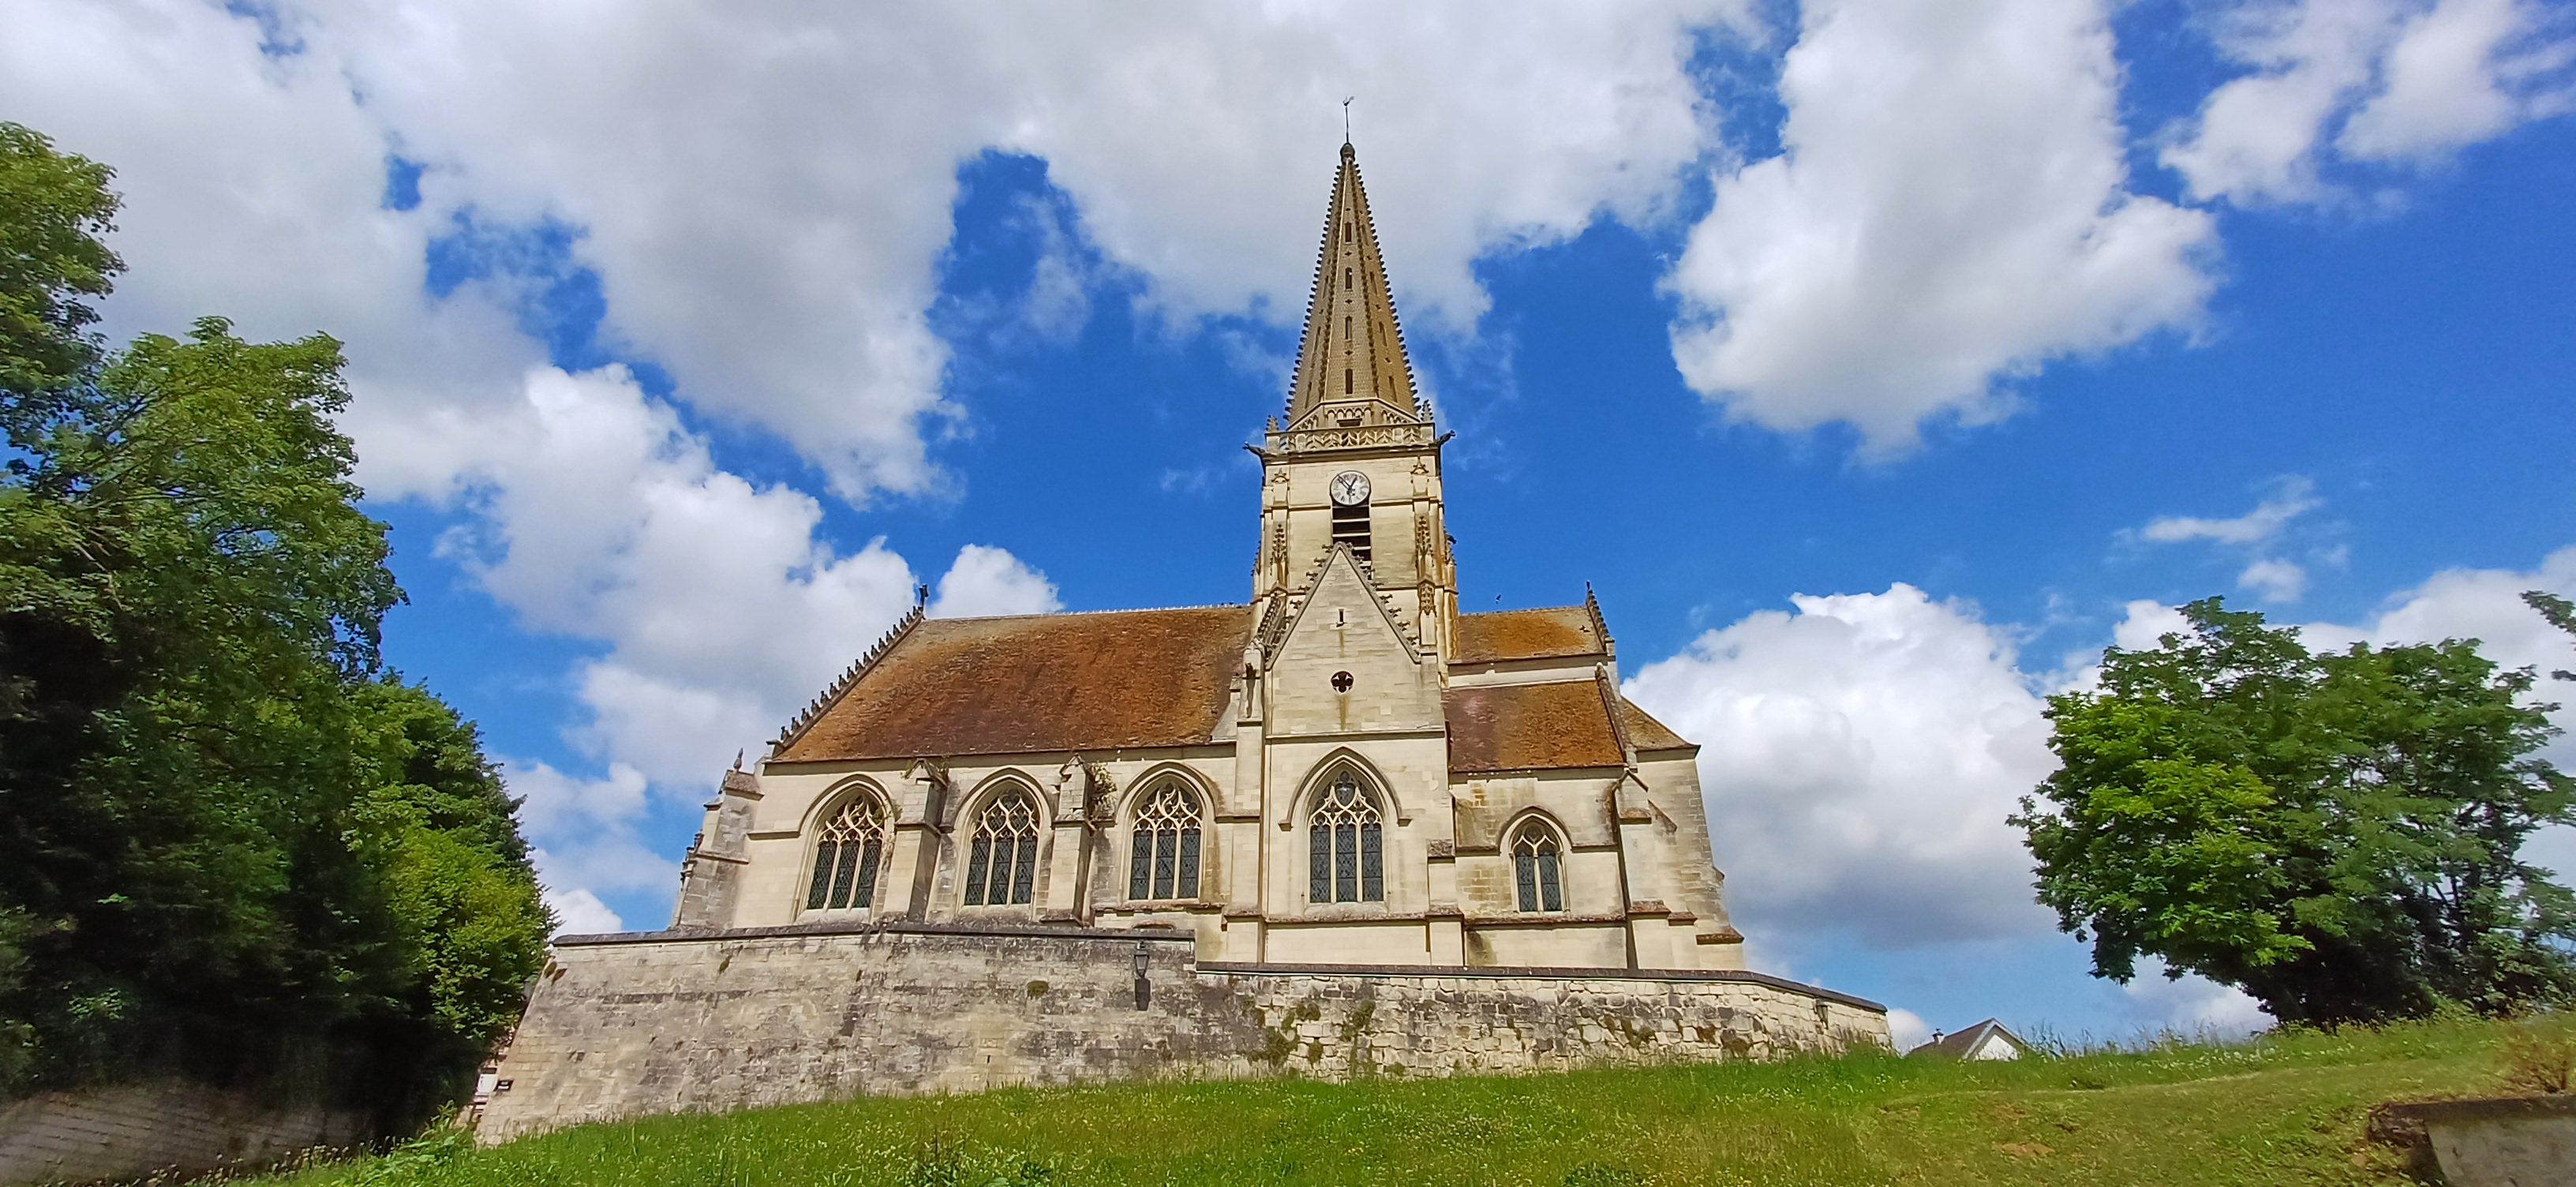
<point>645,1023</point>
<point>133,1130</point>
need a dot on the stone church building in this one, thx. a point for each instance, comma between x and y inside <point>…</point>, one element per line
<point>1342,790</point>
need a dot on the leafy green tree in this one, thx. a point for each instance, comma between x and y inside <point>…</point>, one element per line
<point>229,841</point>
<point>2559,612</point>
<point>2339,835</point>
<point>53,208</point>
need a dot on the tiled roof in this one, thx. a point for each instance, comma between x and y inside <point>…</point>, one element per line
<point>1646,733</point>
<point>1040,683</point>
<point>1496,636</point>
<point>1530,727</point>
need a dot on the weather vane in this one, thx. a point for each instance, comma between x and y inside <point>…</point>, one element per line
<point>1346,119</point>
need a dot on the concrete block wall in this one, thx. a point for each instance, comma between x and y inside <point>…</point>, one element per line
<point>133,1130</point>
<point>623,1026</point>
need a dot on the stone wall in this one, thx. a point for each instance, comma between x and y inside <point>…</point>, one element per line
<point>659,1022</point>
<point>133,1130</point>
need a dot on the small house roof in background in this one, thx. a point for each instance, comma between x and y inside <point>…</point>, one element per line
<point>1964,1043</point>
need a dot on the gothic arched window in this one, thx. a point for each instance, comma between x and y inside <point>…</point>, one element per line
<point>1002,862</point>
<point>1346,845</point>
<point>1163,862</point>
<point>1538,868</point>
<point>847,852</point>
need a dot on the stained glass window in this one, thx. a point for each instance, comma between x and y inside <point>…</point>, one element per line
<point>1163,860</point>
<point>1536,868</point>
<point>847,851</point>
<point>1002,857</point>
<point>1346,862</point>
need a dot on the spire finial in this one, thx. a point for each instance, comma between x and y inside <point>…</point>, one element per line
<point>1346,120</point>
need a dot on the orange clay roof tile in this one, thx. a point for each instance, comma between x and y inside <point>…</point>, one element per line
<point>1645,733</point>
<point>1040,683</point>
<point>1529,727</point>
<point>1499,636</point>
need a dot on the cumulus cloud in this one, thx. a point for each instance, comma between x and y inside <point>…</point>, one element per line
<point>1906,1030</point>
<point>594,511</point>
<point>1859,756</point>
<point>764,194</point>
<point>584,840</point>
<point>579,912</point>
<point>1950,210</point>
<point>988,581</point>
<point>2337,82</point>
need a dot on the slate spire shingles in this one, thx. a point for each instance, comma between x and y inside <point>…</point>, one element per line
<point>1353,352</point>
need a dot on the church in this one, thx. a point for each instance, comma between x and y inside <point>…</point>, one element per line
<point>1341,828</point>
<point>1344,769</point>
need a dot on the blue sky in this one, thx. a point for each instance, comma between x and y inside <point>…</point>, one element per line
<point>1986,330</point>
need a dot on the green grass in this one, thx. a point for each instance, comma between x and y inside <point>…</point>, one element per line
<point>2279,1110</point>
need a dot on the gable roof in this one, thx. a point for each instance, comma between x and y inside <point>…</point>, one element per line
<point>1037,683</point>
<point>1646,733</point>
<point>1530,727</point>
<point>1960,1045</point>
<point>1500,636</point>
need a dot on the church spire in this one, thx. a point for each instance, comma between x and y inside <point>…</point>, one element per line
<point>1351,369</point>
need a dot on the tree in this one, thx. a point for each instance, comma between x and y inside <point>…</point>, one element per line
<point>2339,835</point>
<point>230,842</point>
<point>53,208</point>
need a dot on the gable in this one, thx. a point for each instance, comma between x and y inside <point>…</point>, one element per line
<point>1037,683</point>
<point>1345,629</point>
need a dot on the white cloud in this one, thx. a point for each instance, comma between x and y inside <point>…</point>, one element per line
<point>2144,623</point>
<point>582,832</point>
<point>595,512</point>
<point>1950,211</point>
<point>2274,580</point>
<point>2294,496</point>
<point>2256,533</point>
<point>765,194</point>
<point>2192,1004</point>
<point>1859,757</point>
<point>987,581</point>
<point>2379,81</point>
<point>1906,1030</point>
<point>579,912</point>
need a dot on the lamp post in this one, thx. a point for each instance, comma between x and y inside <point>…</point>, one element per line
<point>1144,988</point>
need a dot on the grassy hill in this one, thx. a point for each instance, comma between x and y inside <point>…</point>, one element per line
<point>2282,1109</point>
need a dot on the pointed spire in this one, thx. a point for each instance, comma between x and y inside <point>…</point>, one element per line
<point>1351,367</point>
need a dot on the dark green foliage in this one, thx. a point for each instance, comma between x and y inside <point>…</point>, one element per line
<point>229,843</point>
<point>2338,835</point>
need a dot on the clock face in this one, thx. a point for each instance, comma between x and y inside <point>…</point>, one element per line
<point>1350,488</point>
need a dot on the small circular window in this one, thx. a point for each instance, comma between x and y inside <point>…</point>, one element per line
<point>1341,682</point>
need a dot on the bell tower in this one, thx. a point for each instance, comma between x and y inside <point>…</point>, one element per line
<point>1357,460</point>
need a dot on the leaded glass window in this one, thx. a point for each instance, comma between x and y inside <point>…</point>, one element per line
<point>847,852</point>
<point>1537,868</point>
<point>1002,859</point>
<point>1163,861</point>
<point>1346,846</point>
